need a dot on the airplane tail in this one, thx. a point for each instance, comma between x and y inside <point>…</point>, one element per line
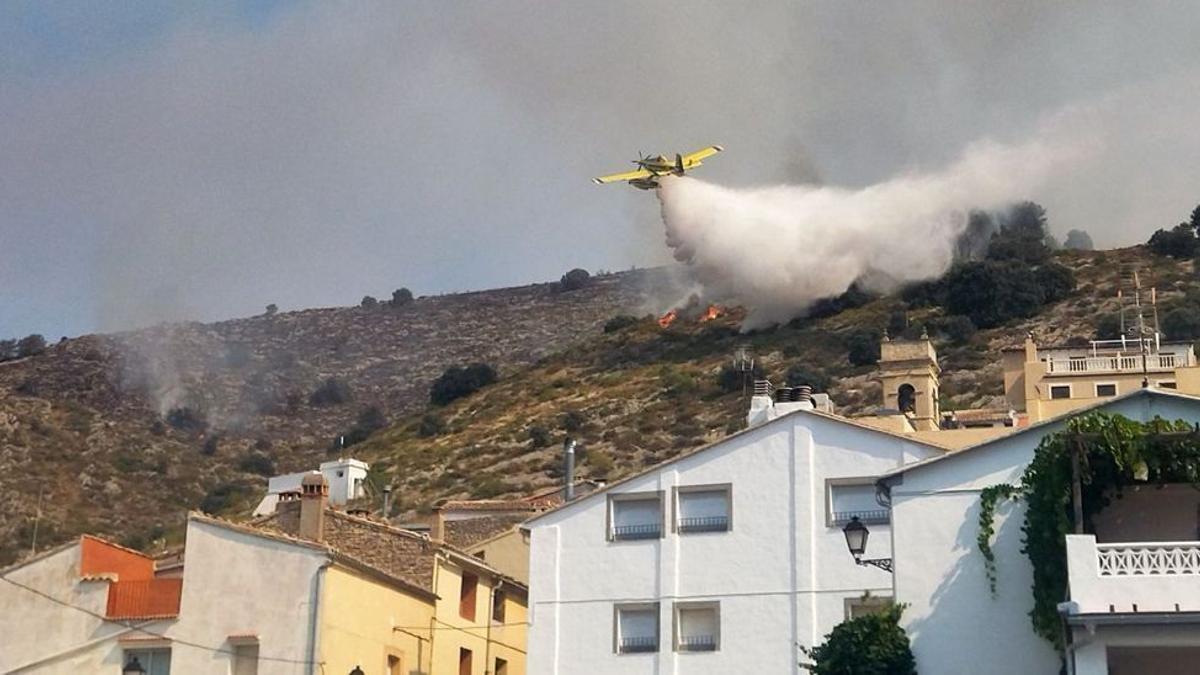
<point>678,164</point>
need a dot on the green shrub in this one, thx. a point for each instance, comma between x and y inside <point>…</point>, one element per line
<point>600,462</point>
<point>221,497</point>
<point>369,302</point>
<point>401,297</point>
<point>873,644</point>
<point>730,378</point>
<point>456,382</point>
<point>259,463</point>
<point>862,348</point>
<point>574,280</point>
<point>369,421</point>
<point>539,437</point>
<point>572,420</point>
<point>430,425</point>
<point>958,329</point>
<point>332,391</point>
<point>1056,281</point>
<point>800,374</point>
<point>1108,327</point>
<point>1182,323</point>
<point>619,322</point>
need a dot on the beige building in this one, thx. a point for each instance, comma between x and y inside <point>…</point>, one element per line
<point>1044,382</point>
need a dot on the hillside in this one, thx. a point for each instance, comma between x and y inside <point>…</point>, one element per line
<point>643,394</point>
<point>122,434</point>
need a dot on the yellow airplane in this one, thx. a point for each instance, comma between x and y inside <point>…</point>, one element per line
<point>650,169</point>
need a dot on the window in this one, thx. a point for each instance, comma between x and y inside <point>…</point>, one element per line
<point>464,661</point>
<point>394,666</point>
<point>153,661</point>
<point>1108,389</point>
<point>906,398</point>
<point>636,628</point>
<point>466,596</point>
<point>501,667</point>
<point>1166,384</point>
<point>1060,391</point>
<point>498,599</point>
<point>702,509</point>
<point>697,626</point>
<point>867,604</point>
<point>850,498</point>
<point>245,660</point>
<point>635,516</point>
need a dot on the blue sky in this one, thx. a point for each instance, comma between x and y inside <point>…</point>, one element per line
<point>171,161</point>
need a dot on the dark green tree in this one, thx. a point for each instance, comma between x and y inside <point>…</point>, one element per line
<point>401,297</point>
<point>1056,281</point>
<point>332,391</point>
<point>369,302</point>
<point>1079,240</point>
<point>1182,323</point>
<point>862,348</point>
<point>1178,242</point>
<point>991,293</point>
<point>973,243</point>
<point>575,279</point>
<point>1023,235</point>
<point>30,345</point>
<point>456,382</point>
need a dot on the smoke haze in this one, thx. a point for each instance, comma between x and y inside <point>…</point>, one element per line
<point>200,160</point>
<point>777,250</point>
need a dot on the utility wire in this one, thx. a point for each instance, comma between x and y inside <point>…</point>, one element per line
<point>130,625</point>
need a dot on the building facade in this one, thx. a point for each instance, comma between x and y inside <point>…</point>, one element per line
<point>727,559</point>
<point>1132,608</point>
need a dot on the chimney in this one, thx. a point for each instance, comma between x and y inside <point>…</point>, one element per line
<point>803,394</point>
<point>437,527</point>
<point>387,501</point>
<point>569,469</point>
<point>314,496</point>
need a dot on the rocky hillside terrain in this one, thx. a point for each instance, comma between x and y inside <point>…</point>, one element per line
<point>122,434</point>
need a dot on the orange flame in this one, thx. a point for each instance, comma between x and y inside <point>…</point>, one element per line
<point>713,312</point>
<point>667,319</point>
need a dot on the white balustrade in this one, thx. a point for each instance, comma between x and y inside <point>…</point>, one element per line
<point>1110,364</point>
<point>1148,559</point>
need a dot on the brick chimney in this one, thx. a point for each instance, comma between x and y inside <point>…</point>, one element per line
<point>314,497</point>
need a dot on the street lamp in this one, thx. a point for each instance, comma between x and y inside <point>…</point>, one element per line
<point>856,540</point>
<point>133,667</point>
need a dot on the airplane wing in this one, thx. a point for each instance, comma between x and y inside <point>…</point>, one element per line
<point>695,157</point>
<point>620,177</point>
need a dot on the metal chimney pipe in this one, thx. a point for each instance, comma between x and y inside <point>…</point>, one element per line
<point>569,469</point>
<point>387,501</point>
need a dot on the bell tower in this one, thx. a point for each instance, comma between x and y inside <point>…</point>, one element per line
<point>908,371</point>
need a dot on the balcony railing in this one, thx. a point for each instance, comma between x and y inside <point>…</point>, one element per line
<point>1149,559</point>
<point>697,643</point>
<point>647,531</point>
<point>704,524</point>
<point>1133,577</point>
<point>866,516</point>
<point>639,644</point>
<point>1112,364</point>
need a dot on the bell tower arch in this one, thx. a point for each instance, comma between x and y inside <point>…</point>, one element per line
<point>908,371</point>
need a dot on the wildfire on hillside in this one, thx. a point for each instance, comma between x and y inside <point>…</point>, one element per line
<point>667,319</point>
<point>713,312</point>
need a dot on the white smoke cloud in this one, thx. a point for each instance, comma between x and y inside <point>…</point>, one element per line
<point>778,249</point>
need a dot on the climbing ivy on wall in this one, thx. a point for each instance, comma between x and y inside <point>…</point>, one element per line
<point>1114,452</point>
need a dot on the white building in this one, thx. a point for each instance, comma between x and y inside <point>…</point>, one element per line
<point>92,607</point>
<point>723,560</point>
<point>347,479</point>
<point>1134,599</point>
